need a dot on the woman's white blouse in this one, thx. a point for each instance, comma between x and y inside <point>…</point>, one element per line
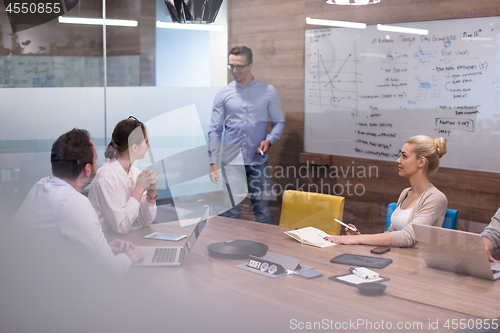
<point>110,195</point>
<point>400,218</point>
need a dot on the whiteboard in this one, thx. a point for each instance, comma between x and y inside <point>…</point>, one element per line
<point>41,71</point>
<point>367,91</point>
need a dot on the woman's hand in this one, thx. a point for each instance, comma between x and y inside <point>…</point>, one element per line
<point>147,179</point>
<point>346,240</point>
<point>350,232</point>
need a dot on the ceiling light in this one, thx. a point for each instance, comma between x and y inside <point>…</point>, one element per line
<point>332,23</point>
<point>352,2</point>
<point>402,29</point>
<point>189,26</point>
<point>97,21</point>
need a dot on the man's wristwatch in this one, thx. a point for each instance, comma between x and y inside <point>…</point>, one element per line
<point>150,197</point>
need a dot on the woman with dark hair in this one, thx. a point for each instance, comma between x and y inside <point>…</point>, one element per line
<point>120,193</point>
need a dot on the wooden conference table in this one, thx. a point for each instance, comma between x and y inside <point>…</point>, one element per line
<point>224,298</point>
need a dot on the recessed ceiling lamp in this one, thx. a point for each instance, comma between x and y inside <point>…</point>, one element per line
<point>331,23</point>
<point>403,30</point>
<point>352,2</point>
<point>97,21</point>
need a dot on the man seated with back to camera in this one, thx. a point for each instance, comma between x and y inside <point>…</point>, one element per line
<point>57,212</point>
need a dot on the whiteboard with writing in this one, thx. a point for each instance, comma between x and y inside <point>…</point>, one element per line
<point>367,91</point>
<point>45,71</point>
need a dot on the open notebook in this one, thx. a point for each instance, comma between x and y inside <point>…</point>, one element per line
<point>310,236</point>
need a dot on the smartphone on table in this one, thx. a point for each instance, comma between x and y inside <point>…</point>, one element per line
<point>380,250</point>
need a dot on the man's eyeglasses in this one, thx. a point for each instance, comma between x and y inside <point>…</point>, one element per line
<point>238,67</point>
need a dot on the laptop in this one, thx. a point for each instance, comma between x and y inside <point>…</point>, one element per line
<point>457,251</point>
<point>171,255</point>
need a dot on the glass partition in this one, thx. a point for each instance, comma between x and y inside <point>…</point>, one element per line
<point>51,79</point>
<point>179,72</point>
<point>58,76</point>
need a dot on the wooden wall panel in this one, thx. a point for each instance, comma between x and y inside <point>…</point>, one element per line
<point>147,26</point>
<point>274,30</point>
<point>122,40</point>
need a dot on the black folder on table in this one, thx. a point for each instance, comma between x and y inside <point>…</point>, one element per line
<point>361,261</point>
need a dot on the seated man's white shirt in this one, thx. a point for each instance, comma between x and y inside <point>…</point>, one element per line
<point>57,209</point>
<point>110,195</point>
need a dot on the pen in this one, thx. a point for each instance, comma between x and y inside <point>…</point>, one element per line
<point>345,225</point>
<point>261,153</point>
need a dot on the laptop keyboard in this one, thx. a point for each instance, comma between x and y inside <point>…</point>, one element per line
<point>164,255</point>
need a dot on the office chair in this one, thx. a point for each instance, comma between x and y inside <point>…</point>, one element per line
<point>450,219</point>
<point>305,209</point>
<point>390,209</point>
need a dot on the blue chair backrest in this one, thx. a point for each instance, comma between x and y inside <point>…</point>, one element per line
<point>390,209</point>
<point>450,219</point>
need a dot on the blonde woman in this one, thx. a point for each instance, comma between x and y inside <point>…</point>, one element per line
<point>120,193</point>
<point>421,203</point>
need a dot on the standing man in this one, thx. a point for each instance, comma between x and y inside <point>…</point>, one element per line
<point>58,213</point>
<point>241,110</point>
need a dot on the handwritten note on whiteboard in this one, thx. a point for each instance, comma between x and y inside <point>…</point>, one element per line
<point>367,91</point>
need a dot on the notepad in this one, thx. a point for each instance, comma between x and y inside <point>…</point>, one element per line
<point>310,236</point>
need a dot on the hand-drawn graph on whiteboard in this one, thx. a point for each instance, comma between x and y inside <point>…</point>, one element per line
<point>334,79</point>
<point>367,91</point>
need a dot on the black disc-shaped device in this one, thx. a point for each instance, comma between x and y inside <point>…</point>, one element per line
<point>237,249</point>
<point>371,289</point>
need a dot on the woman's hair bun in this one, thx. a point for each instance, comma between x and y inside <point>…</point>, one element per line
<point>440,144</point>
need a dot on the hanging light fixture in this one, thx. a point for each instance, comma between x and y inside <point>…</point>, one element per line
<point>193,11</point>
<point>352,2</point>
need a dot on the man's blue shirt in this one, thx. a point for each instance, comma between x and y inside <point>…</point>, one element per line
<point>242,113</point>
